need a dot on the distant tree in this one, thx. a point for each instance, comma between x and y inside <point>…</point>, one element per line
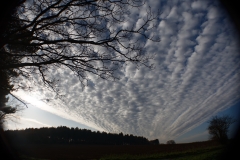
<point>65,135</point>
<point>84,37</point>
<point>171,142</point>
<point>154,142</point>
<point>219,126</point>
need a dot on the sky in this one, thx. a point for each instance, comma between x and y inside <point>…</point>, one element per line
<point>195,76</point>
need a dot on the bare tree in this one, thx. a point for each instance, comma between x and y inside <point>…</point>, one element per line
<point>84,36</point>
<point>218,127</point>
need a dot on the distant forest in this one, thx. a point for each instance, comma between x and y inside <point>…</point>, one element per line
<point>65,135</point>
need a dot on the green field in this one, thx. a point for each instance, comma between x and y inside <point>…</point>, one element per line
<point>212,153</point>
<point>191,151</point>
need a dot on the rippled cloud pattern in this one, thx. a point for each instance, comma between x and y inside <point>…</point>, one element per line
<point>196,75</point>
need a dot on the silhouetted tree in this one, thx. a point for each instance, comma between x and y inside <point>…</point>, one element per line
<point>4,111</point>
<point>82,36</point>
<point>5,88</point>
<point>8,82</point>
<point>171,142</point>
<point>218,128</point>
<point>155,142</point>
<point>65,135</point>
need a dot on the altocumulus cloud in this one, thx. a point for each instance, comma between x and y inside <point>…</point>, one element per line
<point>196,75</point>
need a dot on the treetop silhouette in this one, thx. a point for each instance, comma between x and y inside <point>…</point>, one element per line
<point>84,37</point>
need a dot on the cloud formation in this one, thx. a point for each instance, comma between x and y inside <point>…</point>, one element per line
<point>197,67</point>
<point>22,123</point>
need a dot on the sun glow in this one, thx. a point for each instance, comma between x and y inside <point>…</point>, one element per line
<point>32,100</point>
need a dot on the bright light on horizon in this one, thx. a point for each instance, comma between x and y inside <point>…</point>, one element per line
<point>43,106</point>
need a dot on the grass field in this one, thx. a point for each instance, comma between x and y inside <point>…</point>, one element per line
<point>199,154</point>
<point>190,151</point>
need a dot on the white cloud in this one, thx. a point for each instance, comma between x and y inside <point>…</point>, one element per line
<point>35,121</point>
<point>58,108</point>
<point>22,123</point>
<point>213,13</point>
<point>199,5</point>
<point>196,75</point>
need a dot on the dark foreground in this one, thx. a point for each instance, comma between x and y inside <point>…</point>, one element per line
<point>72,152</point>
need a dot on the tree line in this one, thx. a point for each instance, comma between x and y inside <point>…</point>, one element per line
<point>65,135</point>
